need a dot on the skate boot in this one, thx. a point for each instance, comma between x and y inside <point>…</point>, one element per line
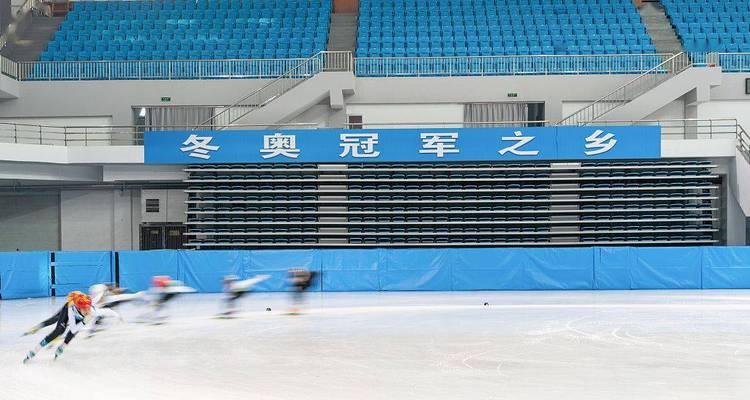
<point>29,356</point>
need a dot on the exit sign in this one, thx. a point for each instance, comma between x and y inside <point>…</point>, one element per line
<point>166,99</point>
<point>512,94</point>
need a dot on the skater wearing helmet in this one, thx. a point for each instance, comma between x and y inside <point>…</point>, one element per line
<point>53,319</point>
<point>235,289</point>
<point>69,322</point>
<point>163,289</point>
<point>300,280</point>
<point>106,298</point>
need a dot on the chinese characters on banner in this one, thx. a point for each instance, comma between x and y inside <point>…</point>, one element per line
<point>338,145</point>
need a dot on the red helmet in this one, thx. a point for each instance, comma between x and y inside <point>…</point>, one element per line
<point>83,302</point>
<point>72,296</point>
<point>160,281</point>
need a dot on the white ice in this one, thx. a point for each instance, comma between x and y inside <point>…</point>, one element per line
<point>361,346</point>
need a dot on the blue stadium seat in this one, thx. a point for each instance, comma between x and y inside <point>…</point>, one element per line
<point>147,30</point>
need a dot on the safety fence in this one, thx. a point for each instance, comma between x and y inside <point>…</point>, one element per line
<point>629,91</point>
<point>159,70</point>
<point>41,274</point>
<point>105,135</point>
<point>132,135</point>
<point>542,64</point>
<point>508,65</point>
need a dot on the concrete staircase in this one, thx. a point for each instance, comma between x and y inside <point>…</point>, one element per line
<point>331,87</point>
<point>659,28</point>
<point>342,34</point>
<point>31,37</point>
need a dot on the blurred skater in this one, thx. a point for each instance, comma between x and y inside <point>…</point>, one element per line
<point>163,289</point>
<point>56,317</point>
<point>236,289</point>
<point>69,321</point>
<point>300,280</point>
<point>106,298</point>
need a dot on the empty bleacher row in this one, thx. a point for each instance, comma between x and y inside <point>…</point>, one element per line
<point>713,26</point>
<point>191,30</point>
<point>422,28</point>
<point>457,204</point>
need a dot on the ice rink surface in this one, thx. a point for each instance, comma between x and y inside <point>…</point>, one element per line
<point>525,345</point>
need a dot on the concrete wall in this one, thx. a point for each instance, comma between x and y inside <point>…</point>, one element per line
<point>172,205</point>
<point>79,219</point>
<point>5,15</point>
<point>117,98</point>
<point>30,221</point>
<point>99,219</point>
<point>403,113</point>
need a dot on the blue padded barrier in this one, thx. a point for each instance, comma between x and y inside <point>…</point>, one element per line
<point>416,269</point>
<point>603,268</point>
<point>350,270</point>
<point>487,269</point>
<point>648,268</point>
<point>523,269</point>
<point>666,268</point>
<point>567,269</point>
<point>24,274</point>
<point>276,263</point>
<point>137,267</point>
<point>612,268</point>
<point>726,268</point>
<point>78,270</point>
<point>204,270</point>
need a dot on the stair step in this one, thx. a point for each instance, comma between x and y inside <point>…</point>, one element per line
<point>659,28</point>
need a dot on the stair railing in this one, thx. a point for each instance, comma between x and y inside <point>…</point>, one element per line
<point>629,91</point>
<point>743,142</point>
<point>329,61</point>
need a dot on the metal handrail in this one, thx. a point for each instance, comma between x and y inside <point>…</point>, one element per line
<point>323,61</point>
<point>254,99</point>
<point>344,61</point>
<point>539,64</point>
<point>156,69</point>
<point>102,135</point>
<point>634,88</point>
<point>536,64</point>
<point>743,142</point>
<point>688,128</point>
<point>8,67</point>
<point>133,135</point>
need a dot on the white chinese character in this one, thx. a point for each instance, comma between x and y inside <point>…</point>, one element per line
<point>602,144</point>
<point>279,145</point>
<point>198,146</point>
<point>520,142</point>
<point>439,143</point>
<point>359,145</point>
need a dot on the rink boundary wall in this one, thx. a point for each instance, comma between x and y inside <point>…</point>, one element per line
<point>41,274</point>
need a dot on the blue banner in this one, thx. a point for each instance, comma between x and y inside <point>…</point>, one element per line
<point>403,145</point>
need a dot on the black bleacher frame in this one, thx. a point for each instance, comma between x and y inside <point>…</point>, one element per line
<point>489,204</point>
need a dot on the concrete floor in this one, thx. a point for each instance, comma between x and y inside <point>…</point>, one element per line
<point>524,345</point>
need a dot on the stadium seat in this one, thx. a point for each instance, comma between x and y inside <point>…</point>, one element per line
<point>160,29</point>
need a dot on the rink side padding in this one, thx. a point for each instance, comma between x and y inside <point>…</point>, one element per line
<point>80,269</point>
<point>24,274</point>
<point>28,274</point>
